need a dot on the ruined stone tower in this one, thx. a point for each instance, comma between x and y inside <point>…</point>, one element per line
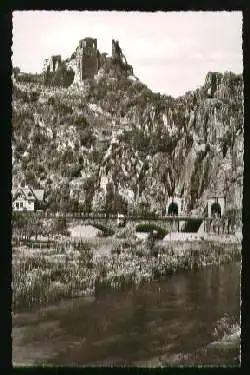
<point>87,58</point>
<point>52,64</point>
<point>117,54</point>
<point>119,60</point>
<point>55,63</point>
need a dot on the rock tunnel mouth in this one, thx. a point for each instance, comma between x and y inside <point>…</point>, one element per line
<point>173,209</point>
<point>215,209</point>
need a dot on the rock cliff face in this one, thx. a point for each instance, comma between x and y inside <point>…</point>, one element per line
<point>130,146</point>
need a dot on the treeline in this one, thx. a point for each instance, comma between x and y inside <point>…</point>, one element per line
<point>26,226</point>
<point>27,77</point>
<point>62,77</point>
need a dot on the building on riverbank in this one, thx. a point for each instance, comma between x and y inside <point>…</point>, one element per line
<point>27,199</point>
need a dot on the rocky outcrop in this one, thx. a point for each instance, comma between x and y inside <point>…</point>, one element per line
<point>144,146</point>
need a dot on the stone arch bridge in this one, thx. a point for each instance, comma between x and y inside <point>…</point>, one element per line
<point>218,225</point>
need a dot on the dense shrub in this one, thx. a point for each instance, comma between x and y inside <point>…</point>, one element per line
<point>39,139</point>
<point>34,96</point>
<point>63,109</point>
<point>81,121</point>
<point>226,142</point>
<point>86,254</point>
<point>155,230</point>
<point>87,137</point>
<point>51,101</point>
<point>19,94</point>
<point>60,225</point>
<point>68,156</point>
<point>30,178</point>
<point>21,146</point>
<point>29,78</point>
<point>62,77</point>
<point>75,171</point>
<point>106,231</point>
<point>74,205</point>
<point>96,156</point>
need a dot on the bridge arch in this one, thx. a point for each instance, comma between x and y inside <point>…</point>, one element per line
<point>215,209</point>
<point>173,209</point>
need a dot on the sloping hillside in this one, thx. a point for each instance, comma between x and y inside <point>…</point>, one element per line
<point>129,144</point>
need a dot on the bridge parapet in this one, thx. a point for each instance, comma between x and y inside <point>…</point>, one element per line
<point>223,225</point>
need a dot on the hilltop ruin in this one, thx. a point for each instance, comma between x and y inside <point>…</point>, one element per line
<point>87,60</point>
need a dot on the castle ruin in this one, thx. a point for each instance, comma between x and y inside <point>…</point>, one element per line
<point>52,64</point>
<point>117,54</point>
<point>119,62</point>
<point>86,61</point>
<point>87,58</point>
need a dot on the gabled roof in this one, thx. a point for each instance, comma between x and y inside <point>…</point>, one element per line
<point>18,192</point>
<point>28,193</point>
<point>18,198</point>
<point>39,194</point>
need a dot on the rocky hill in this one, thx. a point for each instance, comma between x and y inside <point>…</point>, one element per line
<point>131,147</point>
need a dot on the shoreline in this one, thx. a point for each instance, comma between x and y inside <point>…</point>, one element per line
<point>164,297</point>
<point>41,280</point>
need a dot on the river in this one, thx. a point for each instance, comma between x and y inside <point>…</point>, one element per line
<point>189,318</point>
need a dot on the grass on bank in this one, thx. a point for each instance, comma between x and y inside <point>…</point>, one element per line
<point>40,278</point>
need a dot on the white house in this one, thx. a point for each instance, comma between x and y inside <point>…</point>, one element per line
<point>25,198</point>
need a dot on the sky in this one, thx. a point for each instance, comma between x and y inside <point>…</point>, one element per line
<point>171,52</point>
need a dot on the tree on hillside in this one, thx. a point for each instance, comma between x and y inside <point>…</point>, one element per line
<point>19,224</point>
<point>89,189</point>
<point>109,198</point>
<point>27,225</point>
<point>60,225</point>
<point>35,225</point>
<point>119,204</point>
<point>15,71</point>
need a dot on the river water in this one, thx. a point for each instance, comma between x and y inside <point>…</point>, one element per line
<point>187,319</point>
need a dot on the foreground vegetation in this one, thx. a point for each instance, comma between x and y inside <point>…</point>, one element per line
<point>41,277</point>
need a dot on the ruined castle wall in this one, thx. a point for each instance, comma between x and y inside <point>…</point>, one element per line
<point>52,64</point>
<point>86,61</point>
<point>87,58</point>
<point>119,61</point>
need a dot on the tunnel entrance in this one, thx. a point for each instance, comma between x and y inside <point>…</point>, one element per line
<point>215,209</point>
<point>173,209</point>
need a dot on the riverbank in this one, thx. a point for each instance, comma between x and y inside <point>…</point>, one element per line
<point>45,276</point>
<point>190,318</point>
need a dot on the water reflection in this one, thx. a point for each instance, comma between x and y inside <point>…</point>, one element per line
<point>169,322</point>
